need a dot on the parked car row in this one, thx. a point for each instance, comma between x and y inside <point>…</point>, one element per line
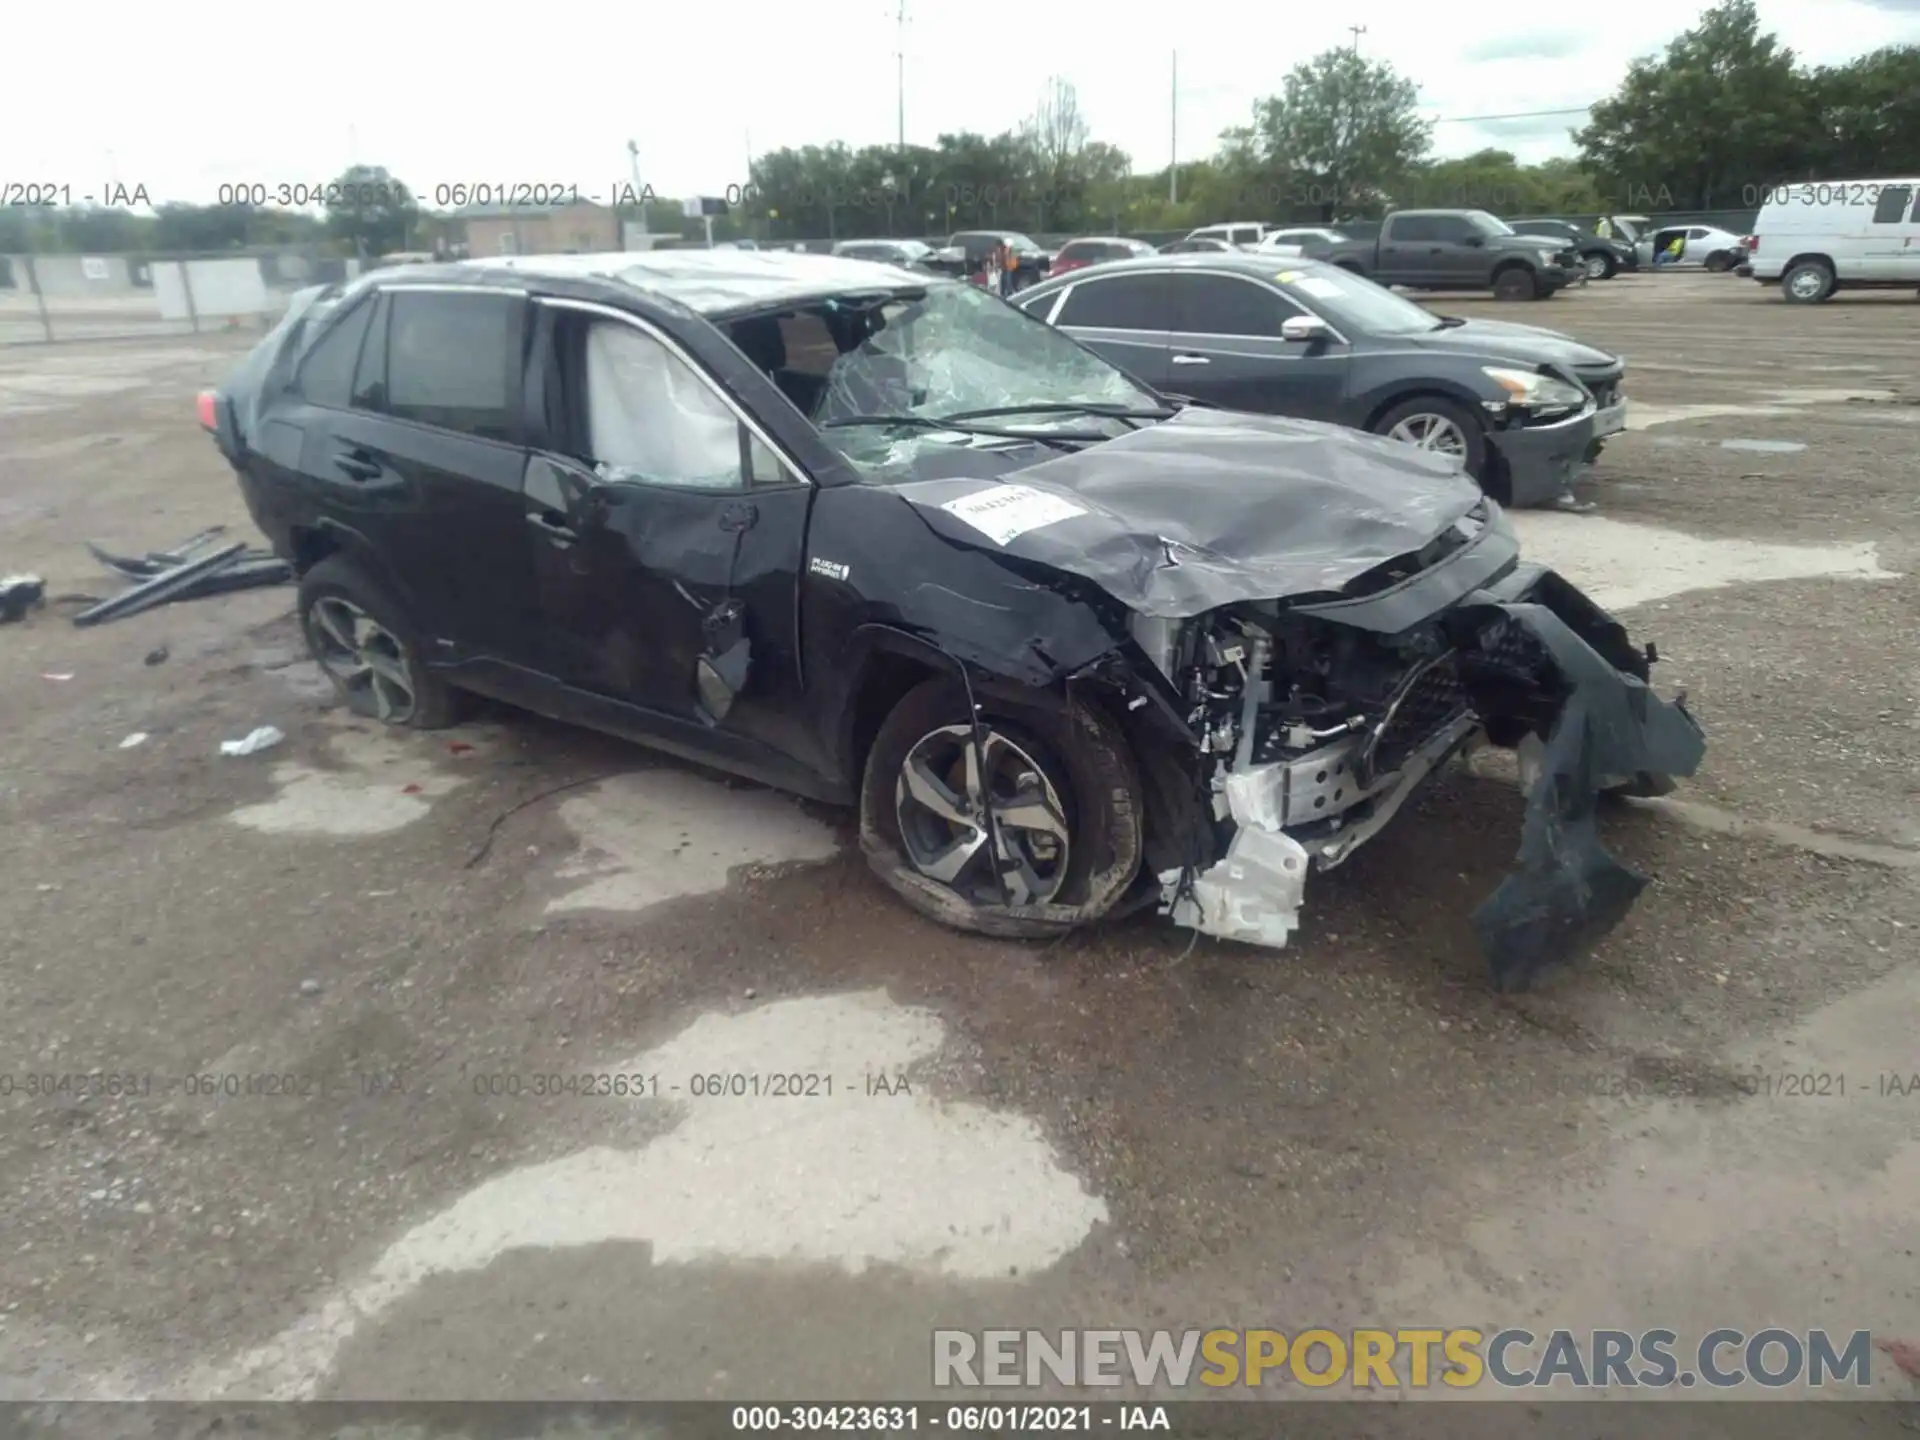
<point>1068,643</point>
<point>1524,410</point>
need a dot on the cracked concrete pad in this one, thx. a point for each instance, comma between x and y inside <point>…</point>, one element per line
<point>951,1189</point>
<point>1622,565</point>
<point>660,834</point>
<point>382,783</point>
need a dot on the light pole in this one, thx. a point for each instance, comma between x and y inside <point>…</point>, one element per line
<point>639,190</point>
<point>1173,136</point>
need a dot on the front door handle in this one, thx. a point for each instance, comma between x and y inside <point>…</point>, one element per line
<point>552,526</point>
<point>357,465</point>
<point>1191,360</point>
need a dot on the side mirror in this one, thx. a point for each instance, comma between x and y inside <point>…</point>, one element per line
<point>1303,328</point>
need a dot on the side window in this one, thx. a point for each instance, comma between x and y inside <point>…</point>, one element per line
<point>1219,305</point>
<point>1451,229</point>
<point>326,374</point>
<point>1892,206</point>
<point>1411,229</point>
<point>453,361</point>
<point>1698,232</point>
<point>1125,302</point>
<point>651,419</point>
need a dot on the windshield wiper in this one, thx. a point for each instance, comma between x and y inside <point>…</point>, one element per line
<point>1071,407</point>
<point>1063,439</point>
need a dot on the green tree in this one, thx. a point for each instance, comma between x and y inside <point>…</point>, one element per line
<point>1723,112</point>
<point>1868,111</point>
<point>1342,129</point>
<point>374,213</point>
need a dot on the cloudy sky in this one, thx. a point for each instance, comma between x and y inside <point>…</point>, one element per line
<point>183,102</point>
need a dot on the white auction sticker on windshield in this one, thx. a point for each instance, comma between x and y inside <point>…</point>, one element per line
<point>1314,285</point>
<point>1007,511</point>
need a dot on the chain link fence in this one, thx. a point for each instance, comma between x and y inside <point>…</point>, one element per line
<point>135,296</point>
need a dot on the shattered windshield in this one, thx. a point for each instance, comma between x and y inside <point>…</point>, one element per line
<point>895,366</point>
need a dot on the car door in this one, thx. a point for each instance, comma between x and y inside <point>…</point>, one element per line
<point>1226,348</point>
<point>667,533</point>
<point>1408,250</point>
<point>417,458</point>
<point>1889,250</point>
<point>1126,318</point>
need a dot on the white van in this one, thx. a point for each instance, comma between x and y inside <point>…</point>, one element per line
<point>1818,238</point>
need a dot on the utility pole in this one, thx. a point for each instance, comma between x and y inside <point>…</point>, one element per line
<point>1173,136</point>
<point>900,63</point>
<point>1356,31</point>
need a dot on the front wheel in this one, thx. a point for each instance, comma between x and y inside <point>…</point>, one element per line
<point>1025,827</point>
<point>1601,267</point>
<point>1439,425</point>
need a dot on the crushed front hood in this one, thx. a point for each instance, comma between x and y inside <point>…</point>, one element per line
<point>1209,508</point>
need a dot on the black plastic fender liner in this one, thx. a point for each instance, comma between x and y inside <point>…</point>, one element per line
<point>1566,892</point>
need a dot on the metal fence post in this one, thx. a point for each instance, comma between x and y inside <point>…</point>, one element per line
<point>39,300</point>
<point>186,291</point>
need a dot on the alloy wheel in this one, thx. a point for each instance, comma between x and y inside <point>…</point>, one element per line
<point>1807,283</point>
<point>1431,432</point>
<point>944,797</point>
<point>1596,267</point>
<point>364,659</point>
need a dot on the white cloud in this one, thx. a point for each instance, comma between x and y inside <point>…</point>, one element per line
<point>237,93</point>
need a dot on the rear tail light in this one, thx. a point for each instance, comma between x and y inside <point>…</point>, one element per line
<point>207,407</point>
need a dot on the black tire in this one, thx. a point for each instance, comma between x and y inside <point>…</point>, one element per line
<point>1516,282</point>
<point>435,704</point>
<point>1609,266</point>
<point>1807,282</point>
<point>1087,762</point>
<point>1471,430</point>
<point>1719,261</point>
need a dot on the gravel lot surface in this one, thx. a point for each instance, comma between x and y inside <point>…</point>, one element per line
<point>1111,1131</point>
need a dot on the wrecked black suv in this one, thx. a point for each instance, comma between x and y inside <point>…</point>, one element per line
<point>883,540</point>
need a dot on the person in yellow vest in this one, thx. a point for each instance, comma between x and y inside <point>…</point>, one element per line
<point>1604,229</point>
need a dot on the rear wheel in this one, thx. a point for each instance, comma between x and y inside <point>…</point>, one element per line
<point>1719,261</point>
<point>1439,425</point>
<point>367,647</point>
<point>1033,832</point>
<point>1516,282</point>
<point>1807,282</point>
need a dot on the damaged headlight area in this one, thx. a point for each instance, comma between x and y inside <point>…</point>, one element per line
<point>1312,734</point>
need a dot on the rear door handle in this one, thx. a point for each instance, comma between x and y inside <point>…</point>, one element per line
<point>552,526</point>
<point>357,465</point>
<point>1191,360</point>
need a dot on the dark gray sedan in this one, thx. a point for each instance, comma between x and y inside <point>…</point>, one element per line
<point>1525,410</point>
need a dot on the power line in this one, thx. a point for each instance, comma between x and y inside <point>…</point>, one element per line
<point>1518,115</point>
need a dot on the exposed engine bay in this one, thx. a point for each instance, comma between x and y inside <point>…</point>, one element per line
<point>1313,734</point>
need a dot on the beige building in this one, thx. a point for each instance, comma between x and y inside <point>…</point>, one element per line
<point>581,228</point>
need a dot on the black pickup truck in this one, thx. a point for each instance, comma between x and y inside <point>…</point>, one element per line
<point>1456,250</point>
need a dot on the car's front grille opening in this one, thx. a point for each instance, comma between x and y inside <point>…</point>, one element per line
<point>1434,699</point>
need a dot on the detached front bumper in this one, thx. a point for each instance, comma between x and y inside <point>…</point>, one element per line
<point>1565,892</point>
<point>1541,462</point>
